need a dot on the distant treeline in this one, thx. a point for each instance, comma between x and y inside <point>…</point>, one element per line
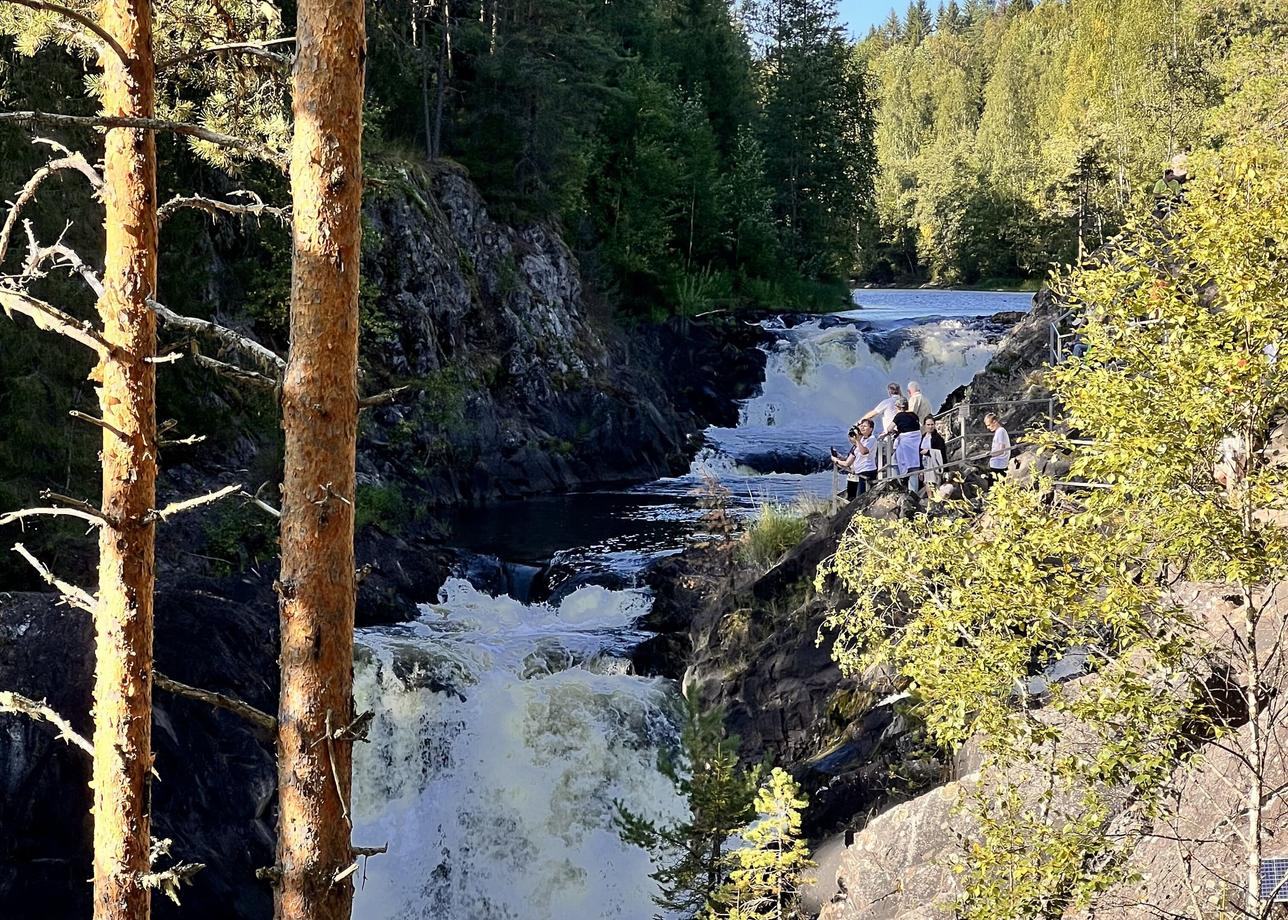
<point>1005,132</point>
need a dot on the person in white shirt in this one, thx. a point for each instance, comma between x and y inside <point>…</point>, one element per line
<point>917,401</point>
<point>860,465</point>
<point>999,457</point>
<point>886,409</point>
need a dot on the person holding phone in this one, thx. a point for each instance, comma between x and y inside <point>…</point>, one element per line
<point>860,464</point>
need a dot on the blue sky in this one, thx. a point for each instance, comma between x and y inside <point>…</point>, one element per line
<point>859,14</point>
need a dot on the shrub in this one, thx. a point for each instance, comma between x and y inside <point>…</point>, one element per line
<point>776,529</point>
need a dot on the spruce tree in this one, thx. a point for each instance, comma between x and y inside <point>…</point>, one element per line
<point>691,866</point>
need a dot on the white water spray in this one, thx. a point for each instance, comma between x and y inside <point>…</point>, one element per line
<point>504,733</point>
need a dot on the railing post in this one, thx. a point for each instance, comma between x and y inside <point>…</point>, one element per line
<point>963,416</point>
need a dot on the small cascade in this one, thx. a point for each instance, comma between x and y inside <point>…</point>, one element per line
<point>504,734</point>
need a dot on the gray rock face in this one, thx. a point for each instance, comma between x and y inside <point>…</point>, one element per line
<point>517,389</point>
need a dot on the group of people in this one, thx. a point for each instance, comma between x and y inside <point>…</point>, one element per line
<point>918,449</point>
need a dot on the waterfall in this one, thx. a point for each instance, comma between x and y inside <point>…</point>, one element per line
<point>504,734</point>
<point>820,377</point>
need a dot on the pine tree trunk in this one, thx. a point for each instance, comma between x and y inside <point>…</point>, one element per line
<point>123,621</point>
<point>319,415</point>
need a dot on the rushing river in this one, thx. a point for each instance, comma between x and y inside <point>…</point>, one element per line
<point>506,731</point>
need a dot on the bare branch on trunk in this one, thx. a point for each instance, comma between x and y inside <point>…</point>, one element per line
<point>61,256</point>
<point>184,129</point>
<point>20,705</point>
<point>76,597</point>
<point>182,442</point>
<point>96,422</point>
<point>255,49</point>
<point>264,359</point>
<point>74,161</point>
<point>235,373</point>
<point>51,319</point>
<point>264,725</point>
<point>255,207</point>
<point>384,398</point>
<point>260,503</point>
<point>83,505</point>
<point>94,520</point>
<point>170,510</point>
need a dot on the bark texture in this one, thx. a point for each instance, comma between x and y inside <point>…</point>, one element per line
<point>320,415</point>
<point>127,396</point>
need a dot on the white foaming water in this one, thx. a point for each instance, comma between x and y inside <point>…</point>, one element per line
<point>504,733</point>
<point>818,377</point>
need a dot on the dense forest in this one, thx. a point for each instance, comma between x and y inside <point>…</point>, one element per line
<point>694,159</point>
<point>1018,135</point>
<point>468,245</point>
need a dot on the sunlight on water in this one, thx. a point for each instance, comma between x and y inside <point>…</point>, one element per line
<point>504,734</point>
<point>819,377</point>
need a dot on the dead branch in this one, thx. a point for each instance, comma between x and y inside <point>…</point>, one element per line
<point>234,373</point>
<point>169,880</point>
<point>28,192</point>
<point>61,256</point>
<point>255,49</point>
<point>359,853</point>
<point>170,510</point>
<point>264,359</point>
<point>96,422</point>
<point>260,503</point>
<point>85,506</point>
<point>77,597</point>
<point>184,129</point>
<point>80,19</point>
<point>171,358</point>
<point>51,319</point>
<point>384,398</point>
<point>216,208</point>
<point>264,725</point>
<point>182,442</point>
<point>94,519</point>
<point>20,705</point>
<point>335,774</point>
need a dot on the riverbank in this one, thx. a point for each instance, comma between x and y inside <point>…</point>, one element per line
<point>744,637</point>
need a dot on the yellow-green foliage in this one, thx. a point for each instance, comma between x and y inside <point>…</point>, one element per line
<point>770,867</point>
<point>776,529</point>
<point>1187,358</point>
<point>1002,137</point>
